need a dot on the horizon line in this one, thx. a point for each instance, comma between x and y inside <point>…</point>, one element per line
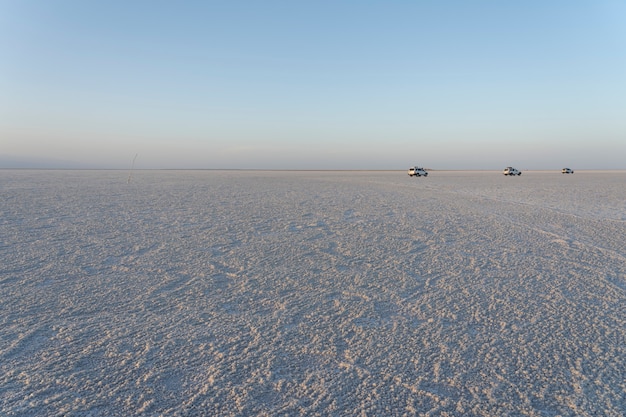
<point>288,169</point>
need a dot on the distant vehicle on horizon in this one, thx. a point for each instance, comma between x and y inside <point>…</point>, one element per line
<point>567,171</point>
<point>417,172</point>
<point>511,171</point>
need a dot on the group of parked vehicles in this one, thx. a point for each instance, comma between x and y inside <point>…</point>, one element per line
<point>513,171</point>
<point>510,171</point>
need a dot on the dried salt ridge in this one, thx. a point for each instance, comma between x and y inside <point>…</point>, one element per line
<point>312,293</point>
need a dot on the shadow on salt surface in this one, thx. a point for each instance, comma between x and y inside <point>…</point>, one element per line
<point>372,322</point>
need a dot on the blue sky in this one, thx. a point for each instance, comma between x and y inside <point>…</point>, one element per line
<point>313,85</point>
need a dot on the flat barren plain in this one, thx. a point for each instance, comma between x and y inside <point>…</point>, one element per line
<point>343,293</point>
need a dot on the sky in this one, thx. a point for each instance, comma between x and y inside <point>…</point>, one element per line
<point>313,84</point>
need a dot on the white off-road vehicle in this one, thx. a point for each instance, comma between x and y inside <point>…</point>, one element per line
<point>567,171</point>
<point>511,171</point>
<point>418,172</point>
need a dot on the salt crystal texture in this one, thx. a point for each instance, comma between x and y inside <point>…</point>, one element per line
<point>237,293</point>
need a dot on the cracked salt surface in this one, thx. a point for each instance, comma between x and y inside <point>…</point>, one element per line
<point>238,293</point>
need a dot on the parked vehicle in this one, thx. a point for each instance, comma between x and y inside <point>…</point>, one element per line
<point>511,171</point>
<point>567,171</point>
<point>418,172</point>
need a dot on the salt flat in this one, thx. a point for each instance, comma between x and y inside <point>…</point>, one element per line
<point>238,293</point>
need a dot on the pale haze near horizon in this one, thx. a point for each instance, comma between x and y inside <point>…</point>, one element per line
<point>317,85</point>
